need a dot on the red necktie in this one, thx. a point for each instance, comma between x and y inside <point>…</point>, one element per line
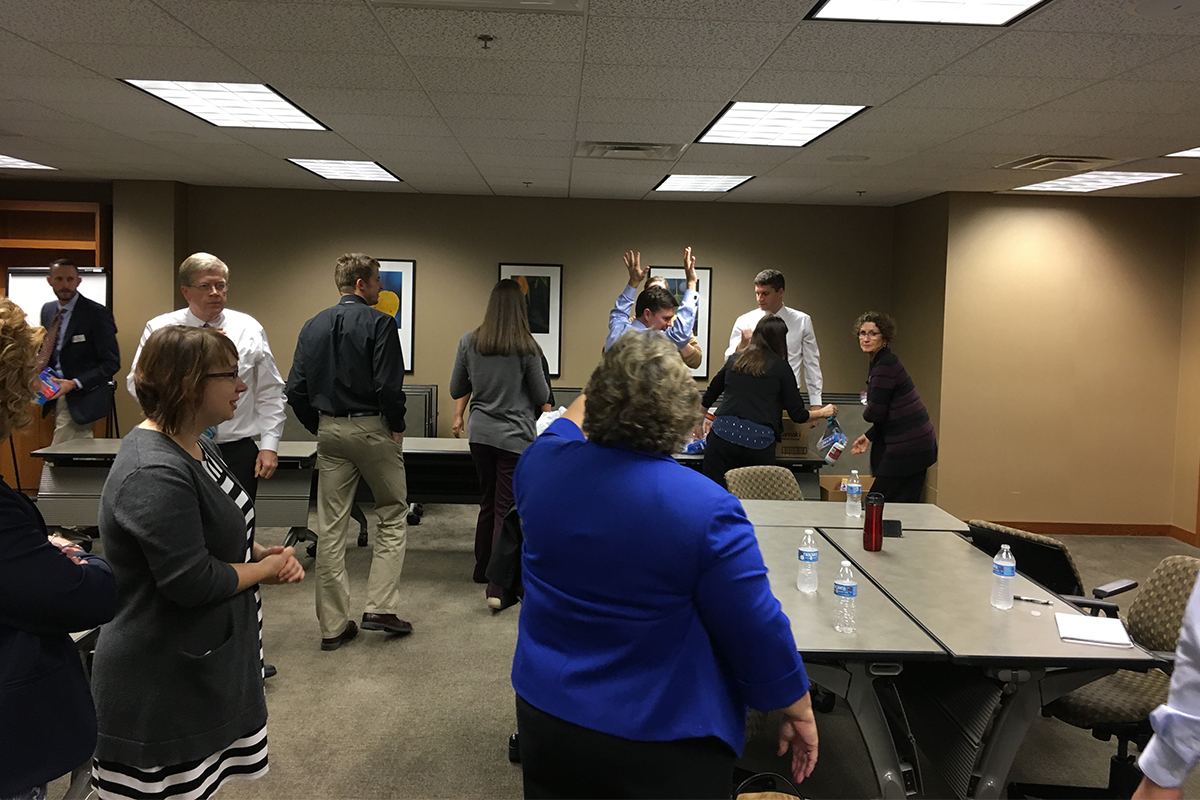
<point>46,352</point>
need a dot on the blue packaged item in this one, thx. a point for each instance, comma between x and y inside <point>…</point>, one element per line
<point>47,388</point>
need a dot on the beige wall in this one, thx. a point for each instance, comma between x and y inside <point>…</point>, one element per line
<point>1187,426</point>
<point>1061,358</point>
<point>919,302</point>
<point>281,246</point>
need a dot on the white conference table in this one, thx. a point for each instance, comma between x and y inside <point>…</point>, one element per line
<point>971,678</point>
<point>820,514</point>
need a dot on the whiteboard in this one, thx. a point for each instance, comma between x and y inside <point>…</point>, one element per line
<point>27,287</point>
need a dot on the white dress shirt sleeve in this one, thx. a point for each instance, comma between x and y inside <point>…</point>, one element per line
<point>1175,749</point>
<point>811,358</point>
<point>268,396</point>
<point>133,364</point>
<point>735,337</point>
<point>618,318</point>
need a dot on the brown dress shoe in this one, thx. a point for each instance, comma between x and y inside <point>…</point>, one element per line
<point>386,622</point>
<point>337,641</point>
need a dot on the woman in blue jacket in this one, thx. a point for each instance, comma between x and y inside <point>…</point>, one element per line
<point>648,625</point>
<point>48,589</point>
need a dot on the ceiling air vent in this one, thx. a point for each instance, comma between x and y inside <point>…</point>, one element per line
<point>1058,163</point>
<point>637,151</point>
<point>544,6</point>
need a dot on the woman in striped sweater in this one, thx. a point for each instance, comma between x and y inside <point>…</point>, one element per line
<point>901,437</point>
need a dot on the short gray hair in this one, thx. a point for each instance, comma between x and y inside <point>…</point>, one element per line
<point>198,264</point>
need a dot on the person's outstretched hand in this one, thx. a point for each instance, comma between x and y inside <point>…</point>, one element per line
<point>860,445</point>
<point>799,732</point>
<point>633,263</point>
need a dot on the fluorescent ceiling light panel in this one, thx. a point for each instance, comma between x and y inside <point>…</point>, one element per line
<point>938,12</point>
<point>8,162</point>
<point>701,183</point>
<point>1193,153</point>
<point>345,170</point>
<point>1095,181</point>
<point>232,105</point>
<point>775,124</point>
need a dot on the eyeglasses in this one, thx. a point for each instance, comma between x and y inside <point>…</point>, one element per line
<point>208,288</point>
<point>230,375</point>
<point>869,334</point>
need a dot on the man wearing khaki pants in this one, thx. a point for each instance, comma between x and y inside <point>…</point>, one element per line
<point>347,386</point>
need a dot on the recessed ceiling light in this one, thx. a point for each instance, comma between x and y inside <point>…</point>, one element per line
<point>8,162</point>
<point>1095,181</point>
<point>232,105</point>
<point>1193,153</point>
<point>938,12</point>
<point>701,183</point>
<point>345,170</point>
<point>775,124</point>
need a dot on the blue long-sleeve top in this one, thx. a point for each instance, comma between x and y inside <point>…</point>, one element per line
<point>681,327</point>
<point>647,612</point>
<point>1175,749</point>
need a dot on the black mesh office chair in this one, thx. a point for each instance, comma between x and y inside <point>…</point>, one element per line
<point>1046,560</point>
<point>1119,705</point>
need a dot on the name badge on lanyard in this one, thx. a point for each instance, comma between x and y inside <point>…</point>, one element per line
<point>862,398</point>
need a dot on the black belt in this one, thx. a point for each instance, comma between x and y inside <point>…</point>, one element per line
<point>353,414</point>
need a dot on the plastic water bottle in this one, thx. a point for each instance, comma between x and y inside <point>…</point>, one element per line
<point>806,581</point>
<point>845,588</point>
<point>854,495</point>
<point>1004,568</point>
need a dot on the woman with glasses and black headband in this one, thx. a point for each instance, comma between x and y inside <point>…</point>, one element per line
<point>901,437</point>
<point>178,675</point>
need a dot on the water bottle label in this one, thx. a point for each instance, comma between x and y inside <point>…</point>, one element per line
<point>808,555</point>
<point>853,489</point>
<point>845,589</point>
<point>1004,570</point>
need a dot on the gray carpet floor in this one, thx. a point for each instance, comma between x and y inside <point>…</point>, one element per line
<point>429,715</point>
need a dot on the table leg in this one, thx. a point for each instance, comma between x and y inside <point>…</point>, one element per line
<point>854,682</point>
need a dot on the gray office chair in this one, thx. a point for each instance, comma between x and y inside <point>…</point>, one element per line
<point>1119,705</point>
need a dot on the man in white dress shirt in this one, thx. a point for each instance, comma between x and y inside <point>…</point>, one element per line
<point>803,355</point>
<point>204,281</point>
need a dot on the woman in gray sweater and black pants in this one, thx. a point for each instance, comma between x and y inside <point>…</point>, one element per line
<point>499,369</point>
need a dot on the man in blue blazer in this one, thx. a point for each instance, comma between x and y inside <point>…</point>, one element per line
<point>84,352</point>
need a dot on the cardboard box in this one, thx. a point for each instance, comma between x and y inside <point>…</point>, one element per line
<point>830,484</point>
<point>795,442</point>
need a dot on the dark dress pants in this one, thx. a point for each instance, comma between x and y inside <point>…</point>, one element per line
<point>562,760</point>
<point>495,470</point>
<point>721,456</point>
<point>240,457</point>
<point>900,488</point>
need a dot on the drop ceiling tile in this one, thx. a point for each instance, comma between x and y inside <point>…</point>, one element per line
<point>376,186</point>
<point>1065,55</point>
<point>473,105</point>
<point>1185,126</point>
<point>843,159</point>
<point>898,49</point>
<point>501,77</point>
<point>433,172</point>
<point>900,119</point>
<point>586,190</point>
<point>849,88</point>
<point>517,147</point>
<point>973,91</point>
<point>153,62</point>
<point>1150,97</point>
<point>744,156</point>
<point>423,160</point>
<point>300,27</point>
<point>512,128</point>
<point>682,43</point>
<point>381,125</point>
<point>20,109</point>
<point>1049,119</point>
<point>519,189</point>
<point>683,197</point>
<point>735,10</point>
<point>1027,144</point>
<point>822,171</point>
<point>671,112</point>
<point>117,22</point>
<point>456,185</point>
<point>1102,16</point>
<point>633,131</point>
<point>491,161</point>
<point>63,93</point>
<point>1181,66</point>
<point>296,71</point>
<point>19,57</point>
<point>662,82</point>
<point>58,131</point>
<point>1121,146</point>
<point>364,101</point>
<point>299,144</point>
<point>430,32</point>
<point>847,139</point>
<point>772,190</point>
<point>620,169</point>
<point>841,196</point>
<point>379,146</point>
<point>515,175</point>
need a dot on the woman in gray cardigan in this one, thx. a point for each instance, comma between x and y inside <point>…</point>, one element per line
<point>498,368</point>
<point>178,672</point>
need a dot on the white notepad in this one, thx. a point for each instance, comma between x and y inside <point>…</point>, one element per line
<point>1083,629</point>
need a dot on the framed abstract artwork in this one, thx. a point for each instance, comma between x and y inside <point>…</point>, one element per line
<point>396,300</point>
<point>677,285</point>
<point>542,284</point>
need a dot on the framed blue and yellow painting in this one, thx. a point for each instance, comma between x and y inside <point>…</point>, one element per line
<point>396,299</point>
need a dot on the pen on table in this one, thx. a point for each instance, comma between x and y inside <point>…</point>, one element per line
<point>1033,600</point>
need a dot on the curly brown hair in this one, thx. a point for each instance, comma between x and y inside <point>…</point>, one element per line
<point>642,396</point>
<point>885,323</point>
<point>19,343</point>
<point>171,372</point>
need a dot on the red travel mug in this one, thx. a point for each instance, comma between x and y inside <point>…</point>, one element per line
<point>873,524</point>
